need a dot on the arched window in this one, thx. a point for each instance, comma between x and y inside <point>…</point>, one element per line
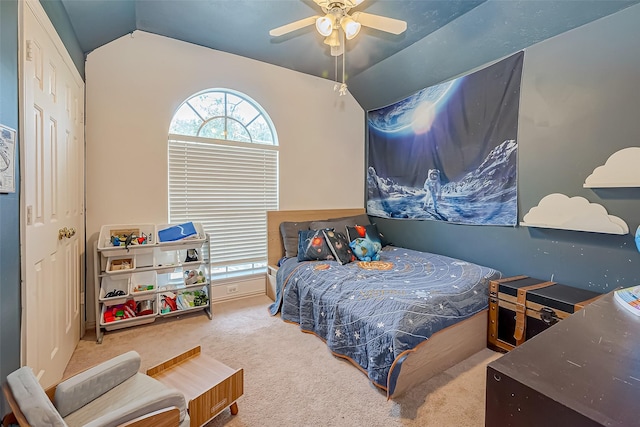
<point>223,172</point>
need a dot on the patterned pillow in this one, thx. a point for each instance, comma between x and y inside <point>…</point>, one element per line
<point>339,246</point>
<point>364,232</point>
<point>312,246</point>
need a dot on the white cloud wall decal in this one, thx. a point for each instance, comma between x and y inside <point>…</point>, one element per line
<point>620,170</point>
<point>573,213</point>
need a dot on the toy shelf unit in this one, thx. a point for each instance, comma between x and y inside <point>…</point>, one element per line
<point>147,271</point>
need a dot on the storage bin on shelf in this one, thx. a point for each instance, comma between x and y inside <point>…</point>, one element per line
<point>118,239</point>
<point>190,257</point>
<point>127,314</point>
<point>180,301</point>
<point>143,284</point>
<point>114,290</point>
<point>187,235</point>
<point>166,260</point>
<point>121,264</point>
<point>194,277</point>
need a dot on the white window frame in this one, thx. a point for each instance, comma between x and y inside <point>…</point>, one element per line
<point>228,186</point>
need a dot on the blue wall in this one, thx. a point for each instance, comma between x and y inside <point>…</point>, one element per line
<point>580,103</point>
<point>9,203</point>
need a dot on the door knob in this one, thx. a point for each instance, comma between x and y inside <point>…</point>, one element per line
<point>66,232</point>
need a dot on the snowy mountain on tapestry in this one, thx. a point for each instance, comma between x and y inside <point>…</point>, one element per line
<point>449,152</point>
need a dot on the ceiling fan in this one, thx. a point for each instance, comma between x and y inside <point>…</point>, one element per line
<point>336,22</point>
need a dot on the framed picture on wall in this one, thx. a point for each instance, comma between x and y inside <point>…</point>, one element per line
<point>7,159</point>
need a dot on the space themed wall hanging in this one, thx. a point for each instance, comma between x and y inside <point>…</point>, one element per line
<point>449,152</point>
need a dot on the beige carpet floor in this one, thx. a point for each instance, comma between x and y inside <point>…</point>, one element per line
<point>291,378</point>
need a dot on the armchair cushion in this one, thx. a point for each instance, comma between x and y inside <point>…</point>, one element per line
<point>86,386</point>
<point>161,399</point>
<point>32,400</point>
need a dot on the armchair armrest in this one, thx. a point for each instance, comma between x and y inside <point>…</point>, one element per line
<point>77,391</point>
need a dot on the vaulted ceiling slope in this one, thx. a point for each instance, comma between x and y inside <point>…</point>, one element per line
<point>437,30</point>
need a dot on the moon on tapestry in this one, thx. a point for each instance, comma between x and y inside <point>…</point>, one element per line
<point>449,152</point>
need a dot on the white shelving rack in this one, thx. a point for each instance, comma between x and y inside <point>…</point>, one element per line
<point>144,273</point>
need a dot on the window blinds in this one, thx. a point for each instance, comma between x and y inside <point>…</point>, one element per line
<point>228,187</point>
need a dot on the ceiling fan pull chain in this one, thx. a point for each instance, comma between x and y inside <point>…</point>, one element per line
<point>336,86</point>
<point>343,86</point>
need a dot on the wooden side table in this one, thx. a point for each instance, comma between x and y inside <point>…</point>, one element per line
<point>209,386</point>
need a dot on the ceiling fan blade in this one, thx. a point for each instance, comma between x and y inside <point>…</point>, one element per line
<point>382,23</point>
<point>293,26</point>
<point>352,3</point>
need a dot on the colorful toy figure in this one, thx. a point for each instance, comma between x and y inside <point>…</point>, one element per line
<point>365,249</point>
<point>127,240</point>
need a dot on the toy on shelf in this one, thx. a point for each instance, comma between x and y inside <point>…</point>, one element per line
<point>170,301</point>
<point>142,288</point>
<point>128,237</point>
<point>121,264</point>
<point>145,307</point>
<point>120,312</point>
<point>191,277</point>
<point>192,256</point>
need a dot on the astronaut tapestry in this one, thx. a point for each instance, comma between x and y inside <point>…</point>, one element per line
<point>449,152</point>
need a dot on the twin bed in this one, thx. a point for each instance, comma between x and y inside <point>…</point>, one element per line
<point>400,320</point>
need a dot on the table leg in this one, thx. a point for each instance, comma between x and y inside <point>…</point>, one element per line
<point>234,408</point>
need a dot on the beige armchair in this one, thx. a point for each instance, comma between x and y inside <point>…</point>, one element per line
<point>110,394</point>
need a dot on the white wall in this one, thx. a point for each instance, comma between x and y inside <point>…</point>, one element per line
<point>135,84</point>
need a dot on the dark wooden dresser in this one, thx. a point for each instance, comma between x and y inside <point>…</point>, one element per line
<point>584,371</point>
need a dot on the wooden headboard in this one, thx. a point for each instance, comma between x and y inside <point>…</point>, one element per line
<point>275,246</point>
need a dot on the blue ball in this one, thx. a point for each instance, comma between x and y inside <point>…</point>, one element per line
<point>638,238</point>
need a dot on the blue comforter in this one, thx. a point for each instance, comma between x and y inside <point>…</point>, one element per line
<point>372,313</point>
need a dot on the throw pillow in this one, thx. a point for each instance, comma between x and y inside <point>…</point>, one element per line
<point>312,246</point>
<point>364,232</point>
<point>339,246</point>
<point>340,223</point>
<point>289,231</point>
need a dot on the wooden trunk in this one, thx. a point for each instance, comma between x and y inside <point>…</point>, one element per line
<point>521,307</point>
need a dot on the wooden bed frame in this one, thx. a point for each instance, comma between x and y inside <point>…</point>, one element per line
<point>443,350</point>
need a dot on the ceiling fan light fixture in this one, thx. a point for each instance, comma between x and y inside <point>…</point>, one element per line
<point>350,26</point>
<point>333,39</point>
<point>324,25</point>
